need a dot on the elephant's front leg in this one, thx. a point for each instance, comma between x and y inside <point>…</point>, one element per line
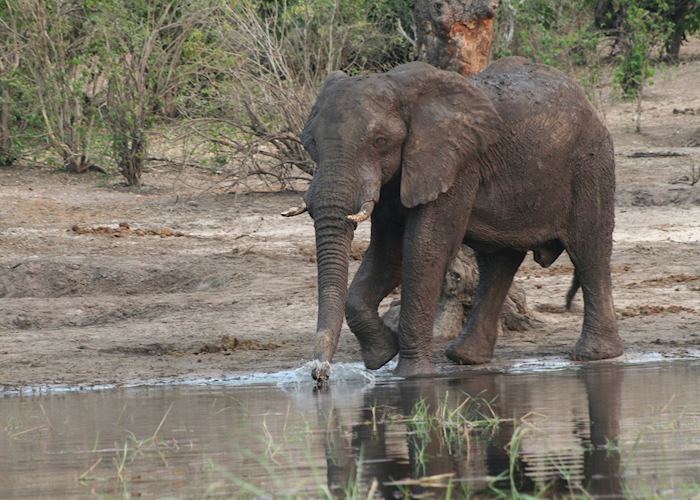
<point>378,275</point>
<point>432,238</point>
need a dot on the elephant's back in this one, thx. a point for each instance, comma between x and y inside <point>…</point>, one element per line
<point>520,88</point>
<point>545,113</point>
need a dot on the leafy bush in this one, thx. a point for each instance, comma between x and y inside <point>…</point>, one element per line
<point>276,57</point>
<point>676,18</point>
<point>85,81</point>
<point>58,70</point>
<point>142,57</point>
<point>552,32</point>
<point>641,30</point>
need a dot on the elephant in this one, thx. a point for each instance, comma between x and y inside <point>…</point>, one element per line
<point>511,160</point>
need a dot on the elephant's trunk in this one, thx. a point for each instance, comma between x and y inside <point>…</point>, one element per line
<point>333,238</point>
<point>333,197</point>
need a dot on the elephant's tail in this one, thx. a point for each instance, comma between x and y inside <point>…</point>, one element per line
<point>575,285</point>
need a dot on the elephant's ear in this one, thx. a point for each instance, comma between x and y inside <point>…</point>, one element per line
<point>450,121</point>
<point>307,138</point>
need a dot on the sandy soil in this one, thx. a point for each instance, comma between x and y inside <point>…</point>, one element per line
<point>204,283</point>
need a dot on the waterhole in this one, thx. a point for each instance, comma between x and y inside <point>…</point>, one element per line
<point>602,430</point>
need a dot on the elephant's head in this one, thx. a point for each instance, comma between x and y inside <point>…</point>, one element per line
<point>415,121</point>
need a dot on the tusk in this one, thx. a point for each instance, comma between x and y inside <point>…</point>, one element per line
<point>295,210</point>
<point>364,213</point>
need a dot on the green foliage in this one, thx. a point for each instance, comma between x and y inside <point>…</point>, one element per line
<point>371,39</point>
<point>55,72</point>
<point>552,32</point>
<point>364,32</point>
<point>146,58</point>
<point>677,19</point>
<point>563,34</point>
<point>642,27</point>
<point>87,80</point>
<point>388,16</point>
<point>270,61</point>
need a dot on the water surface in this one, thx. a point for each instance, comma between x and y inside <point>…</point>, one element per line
<point>601,429</point>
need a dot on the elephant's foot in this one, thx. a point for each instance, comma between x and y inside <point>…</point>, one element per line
<point>470,350</point>
<point>414,367</point>
<point>378,350</point>
<point>593,347</point>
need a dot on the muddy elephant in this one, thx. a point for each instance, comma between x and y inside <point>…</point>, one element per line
<point>514,159</point>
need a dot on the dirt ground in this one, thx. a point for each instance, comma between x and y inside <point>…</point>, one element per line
<point>200,282</point>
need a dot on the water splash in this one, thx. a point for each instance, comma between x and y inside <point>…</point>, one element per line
<point>342,374</point>
<point>636,357</point>
<point>533,365</point>
<point>539,365</point>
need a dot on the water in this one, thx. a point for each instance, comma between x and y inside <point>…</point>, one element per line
<point>601,429</point>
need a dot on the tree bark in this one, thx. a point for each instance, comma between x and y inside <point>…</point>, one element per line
<point>457,35</point>
<point>132,157</point>
<point>5,146</point>
<point>681,9</point>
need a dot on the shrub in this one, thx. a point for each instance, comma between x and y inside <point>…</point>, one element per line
<point>273,59</point>
<point>640,31</point>
<point>143,58</point>
<point>552,32</point>
<point>58,70</point>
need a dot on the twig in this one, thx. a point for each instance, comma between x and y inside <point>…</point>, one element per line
<point>403,33</point>
<point>85,474</point>
<point>97,168</point>
<point>654,154</point>
<point>181,163</point>
<point>162,421</point>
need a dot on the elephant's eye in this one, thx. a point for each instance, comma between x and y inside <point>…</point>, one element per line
<point>379,142</point>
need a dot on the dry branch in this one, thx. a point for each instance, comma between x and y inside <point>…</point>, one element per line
<point>654,154</point>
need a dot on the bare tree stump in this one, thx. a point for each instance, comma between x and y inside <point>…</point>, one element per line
<point>457,35</point>
<point>456,299</point>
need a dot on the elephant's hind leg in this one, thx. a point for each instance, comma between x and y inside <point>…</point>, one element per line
<point>477,341</point>
<point>599,338</point>
<point>378,275</point>
<point>589,244</point>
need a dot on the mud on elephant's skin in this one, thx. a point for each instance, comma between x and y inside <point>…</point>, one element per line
<point>514,159</point>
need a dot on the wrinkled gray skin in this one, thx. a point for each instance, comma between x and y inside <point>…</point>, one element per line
<point>511,160</point>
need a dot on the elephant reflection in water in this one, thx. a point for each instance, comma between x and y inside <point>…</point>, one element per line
<point>395,451</point>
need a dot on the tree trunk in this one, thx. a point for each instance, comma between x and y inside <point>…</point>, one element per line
<point>131,156</point>
<point>457,35</point>
<point>673,45</point>
<point>680,13</point>
<point>6,158</point>
<point>76,164</point>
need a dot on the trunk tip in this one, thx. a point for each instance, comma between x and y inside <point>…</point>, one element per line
<point>321,372</point>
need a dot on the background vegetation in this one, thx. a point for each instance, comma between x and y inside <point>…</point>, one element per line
<point>226,84</point>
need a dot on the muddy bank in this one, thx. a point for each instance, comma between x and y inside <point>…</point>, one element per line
<point>97,309</point>
<point>209,283</point>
